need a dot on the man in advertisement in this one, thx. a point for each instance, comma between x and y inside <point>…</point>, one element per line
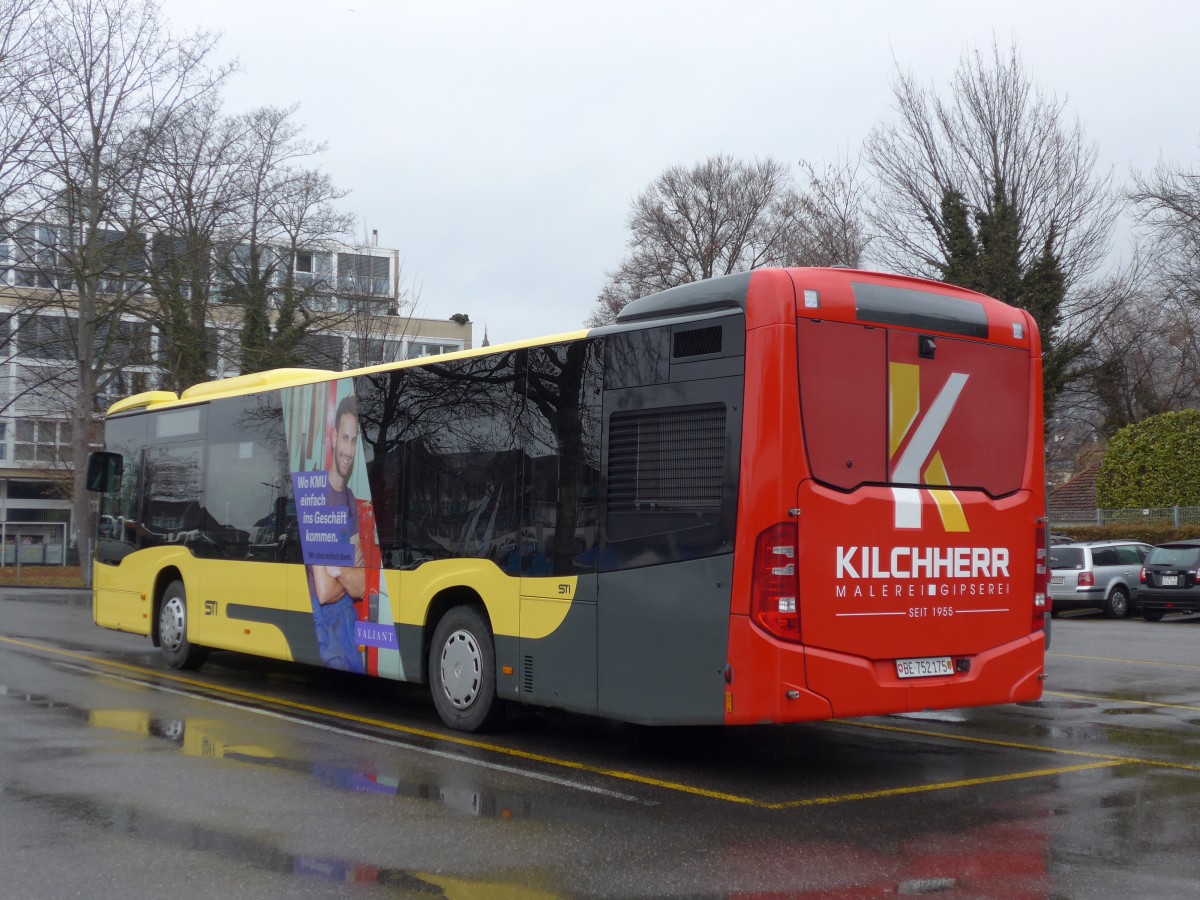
<point>335,587</point>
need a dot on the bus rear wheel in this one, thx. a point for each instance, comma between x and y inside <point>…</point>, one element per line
<point>462,671</point>
<point>177,650</point>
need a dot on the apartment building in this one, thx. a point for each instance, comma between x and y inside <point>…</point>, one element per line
<point>356,290</point>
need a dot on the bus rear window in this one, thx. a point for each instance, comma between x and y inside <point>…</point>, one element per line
<point>892,406</point>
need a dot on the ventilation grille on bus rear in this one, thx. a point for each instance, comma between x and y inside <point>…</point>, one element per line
<point>665,460</point>
<point>527,675</point>
<point>697,342</point>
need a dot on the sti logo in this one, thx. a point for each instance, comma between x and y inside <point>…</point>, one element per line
<point>912,446</point>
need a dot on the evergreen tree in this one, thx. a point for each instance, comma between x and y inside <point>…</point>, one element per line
<point>982,252</point>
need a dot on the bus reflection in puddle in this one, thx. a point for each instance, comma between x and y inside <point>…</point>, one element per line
<point>196,737</point>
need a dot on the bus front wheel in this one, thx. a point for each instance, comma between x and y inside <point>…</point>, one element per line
<point>177,650</point>
<point>462,671</point>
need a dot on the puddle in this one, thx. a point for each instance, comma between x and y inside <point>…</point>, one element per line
<point>1131,711</point>
<point>209,739</point>
<point>1057,704</point>
<point>130,821</point>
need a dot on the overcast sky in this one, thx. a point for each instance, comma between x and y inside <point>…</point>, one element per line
<point>497,144</point>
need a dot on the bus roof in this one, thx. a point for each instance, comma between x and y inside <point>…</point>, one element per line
<point>274,379</point>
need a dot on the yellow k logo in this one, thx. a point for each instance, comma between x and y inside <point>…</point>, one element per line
<point>920,453</point>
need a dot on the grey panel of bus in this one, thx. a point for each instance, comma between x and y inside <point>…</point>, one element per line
<point>560,669</point>
<point>726,292</point>
<point>296,626</point>
<point>641,528</point>
<point>663,635</point>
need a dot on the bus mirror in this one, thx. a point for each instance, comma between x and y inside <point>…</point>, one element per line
<point>103,471</point>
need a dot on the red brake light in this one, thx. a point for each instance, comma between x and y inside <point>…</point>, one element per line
<point>1041,576</point>
<point>774,604</point>
<point>1086,579</point>
<point>1142,575</point>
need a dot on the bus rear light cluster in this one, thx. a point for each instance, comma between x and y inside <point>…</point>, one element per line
<point>775,588</point>
<point>1041,577</point>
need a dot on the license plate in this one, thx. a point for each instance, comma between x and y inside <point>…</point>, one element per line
<point>1169,580</point>
<point>924,668</point>
<point>1057,579</point>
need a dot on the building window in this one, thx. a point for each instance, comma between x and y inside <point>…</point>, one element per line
<point>45,442</point>
<point>381,350</point>
<point>46,337</point>
<point>3,440</point>
<point>360,273</point>
<point>419,349</point>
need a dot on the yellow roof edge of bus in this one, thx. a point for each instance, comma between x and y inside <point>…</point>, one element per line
<point>471,352</point>
<point>142,400</point>
<point>277,378</point>
<point>238,384</point>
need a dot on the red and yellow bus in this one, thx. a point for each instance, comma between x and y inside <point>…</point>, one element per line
<point>778,496</point>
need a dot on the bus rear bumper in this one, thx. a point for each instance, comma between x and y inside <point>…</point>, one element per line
<point>777,682</point>
<point>1010,673</point>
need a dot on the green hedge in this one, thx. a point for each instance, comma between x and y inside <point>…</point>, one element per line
<point>1154,463</point>
<point>1151,534</point>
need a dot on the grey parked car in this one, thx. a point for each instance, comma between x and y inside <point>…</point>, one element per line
<point>1097,574</point>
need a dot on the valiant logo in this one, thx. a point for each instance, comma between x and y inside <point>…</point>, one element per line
<point>920,462</point>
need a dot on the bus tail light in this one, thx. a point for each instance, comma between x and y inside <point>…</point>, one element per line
<point>775,590</point>
<point>1041,576</point>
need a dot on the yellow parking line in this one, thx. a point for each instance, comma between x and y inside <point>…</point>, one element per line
<point>1117,659</point>
<point>1014,745</point>
<point>945,785</point>
<point>1071,695</point>
<point>1102,760</point>
<point>399,729</point>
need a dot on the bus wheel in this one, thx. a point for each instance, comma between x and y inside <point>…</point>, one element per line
<point>177,650</point>
<point>462,671</point>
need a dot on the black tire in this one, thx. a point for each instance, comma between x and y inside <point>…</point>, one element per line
<point>177,650</point>
<point>1117,605</point>
<point>462,671</point>
<point>1152,615</point>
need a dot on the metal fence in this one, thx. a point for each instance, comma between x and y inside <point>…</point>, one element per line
<point>1161,515</point>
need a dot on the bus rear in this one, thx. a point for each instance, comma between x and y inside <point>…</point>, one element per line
<point>891,535</point>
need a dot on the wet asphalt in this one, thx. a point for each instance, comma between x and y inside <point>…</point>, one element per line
<point>119,777</point>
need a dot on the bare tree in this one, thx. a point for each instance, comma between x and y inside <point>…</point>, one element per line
<point>830,222</point>
<point>114,79</point>
<point>190,202</point>
<point>20,65</point>
<point>993,188</point>
<point>282,207</point>
<point>380,316</point>
<point>994,129</point>
<point>1145,359</point>
<point>1168,204</point>
<point>724,215</point>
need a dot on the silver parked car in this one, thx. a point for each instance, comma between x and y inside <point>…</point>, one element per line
<point>1097,574</point>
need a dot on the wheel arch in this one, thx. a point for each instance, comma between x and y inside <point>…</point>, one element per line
<point>444,601</point>
<point>164,578</point>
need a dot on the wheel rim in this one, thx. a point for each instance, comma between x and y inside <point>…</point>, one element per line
<point>172,623</point>
<point>1119,603</point>
<point>461,669</point>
